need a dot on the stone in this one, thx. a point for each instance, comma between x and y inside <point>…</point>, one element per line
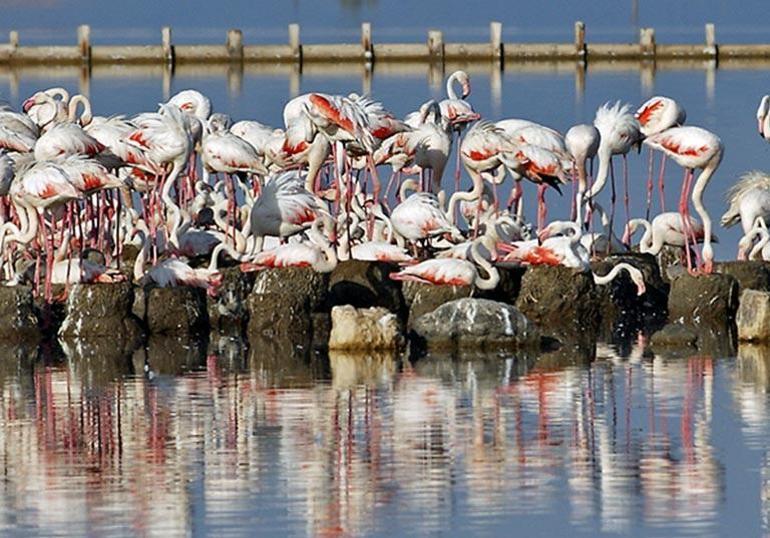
<point>363,284</point>
<point>302,282</point>
<point>753,275</point>
<point>18,314</point>
<point>179,311</point>
<point>280,317</point>
<point>561,301</point>
<point>710,299</point>
<point>365,329</point>
<point>424,298</point>
<point>753,317</point>
<point>623,312</point>
<point>475,323</point>
<point>227,311</point>
<point>101,311</point>
<point>684,339</point>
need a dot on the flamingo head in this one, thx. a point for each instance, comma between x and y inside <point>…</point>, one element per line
<point>214,283</point>
<point>29,102</point>
<point>639,281</point>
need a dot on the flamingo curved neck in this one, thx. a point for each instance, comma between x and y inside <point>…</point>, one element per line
<point>493,276</point>
<point>142,257</point>
<point>85,116</point>
<point>330,256</point>
<point>450,82</point>
<point>697,202</point>
<point>605,157</point>
<point>609,277</point>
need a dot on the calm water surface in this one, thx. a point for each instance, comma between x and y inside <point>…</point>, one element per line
<point>237,443</point>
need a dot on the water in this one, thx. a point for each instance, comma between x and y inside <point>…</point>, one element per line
<point>230,443</point>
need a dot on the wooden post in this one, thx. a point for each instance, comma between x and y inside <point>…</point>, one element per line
<point>84,43</point>
<point>13,39</point>
<point>436,44</point>
<point>296,47</point>
<point>366,40</point>
<point>235,45</point>
<point>168,48</point>
<point>580,38</point>
<point>496,40</point>
<point>647,41</point>
<point>711,39</point>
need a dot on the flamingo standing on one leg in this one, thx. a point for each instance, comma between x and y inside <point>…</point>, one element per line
<point>691,148</point>
<point>655,116</point>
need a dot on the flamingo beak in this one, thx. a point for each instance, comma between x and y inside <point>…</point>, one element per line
<point>759,127</point>
<point>466,88</point>
<point>543,234</point>
<point>505,247</point>
<point>640,288</point>
<point>28,103</point>
<point>626,239</point>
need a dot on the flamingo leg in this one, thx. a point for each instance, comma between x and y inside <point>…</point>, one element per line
<point>684,215</point>
<point>626,199</point>
<point>661,177</point>
<point>457,163</point>
<point>650,183</point>
<point>541,208</point>
<point>613,197</point>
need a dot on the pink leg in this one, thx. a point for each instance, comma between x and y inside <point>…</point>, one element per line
<point>457,163</point>
<point>650,183</point>
<point>541,209</point>
<point>684,215</point>
<point>661,177</point>
<point>626,199</point>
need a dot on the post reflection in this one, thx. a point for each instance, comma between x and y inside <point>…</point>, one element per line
<point>371,443</point>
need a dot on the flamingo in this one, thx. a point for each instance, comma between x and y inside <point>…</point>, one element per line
<point>747,250</point>
<point>453,271</point>
<point>68,138</point>
<point>420,217</point>
<point>665,229</point>
<point>763,117</point>
<point>619,132</point>
<point>566,250</point>
<point>17,131</point>
<point>749,199</point>
<point>457,112</point>
<point>582,142</point>
<point>655,116</point>
<point>43,111</point>
<point>284,208</point>
<point>316,253</point>
<point>691,148</point>
<point>173,272</point>
<point>430,145</point>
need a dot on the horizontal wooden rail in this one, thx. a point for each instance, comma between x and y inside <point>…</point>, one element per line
<point>434,49</point>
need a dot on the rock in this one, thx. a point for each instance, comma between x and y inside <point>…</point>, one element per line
<point>178,311</point>
<point>623,312</point>
<point>280,317</point>
<point>475,323</point>
<point>364,284</point>
<point>561,301</point>
<point>365,329</point>
<point>753,275</point>
<point>302,282</point>
<point>227,311</point>
<point>710,299</point>
<point>753,317</point>
<point>18,320</point>
<point>675,335</point>
<point>424,298</point>
<point>101,311</point>
<point>322,328</point>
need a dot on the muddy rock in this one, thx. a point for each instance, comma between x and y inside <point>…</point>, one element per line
<point>475,323</point>
<point>178,311</point>
<point>365,329</point>
<point>301,282</point>
<point>561,301</point>
<point>424,298</point>
<point>17,313</point>
<point>624,312</point>
<point>751,275</point>
<point>363,284</point>
<point>101,311</point>
<point>675,335</point>
<point>322,328</point>
<point>280,317</point>
<point>227,311</point>
<point>704,299</point>
<point>753,317</point>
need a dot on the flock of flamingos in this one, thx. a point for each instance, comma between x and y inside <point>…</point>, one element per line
<point>187,186</point>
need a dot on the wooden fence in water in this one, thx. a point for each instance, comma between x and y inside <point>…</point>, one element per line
<point>433,50</point>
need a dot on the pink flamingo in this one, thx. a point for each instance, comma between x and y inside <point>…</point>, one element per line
<point>691,148</point>
<point>656,115</point>
<point>453,271</point>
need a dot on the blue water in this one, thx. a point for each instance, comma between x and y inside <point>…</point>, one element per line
<point>238,443</point>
